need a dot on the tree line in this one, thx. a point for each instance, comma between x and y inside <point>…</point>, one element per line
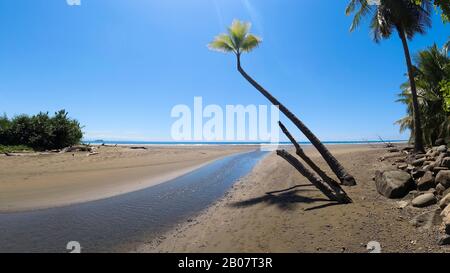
<point>40,131</point>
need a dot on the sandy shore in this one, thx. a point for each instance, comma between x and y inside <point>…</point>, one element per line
<point>302,220</point>
<point>34,182</point>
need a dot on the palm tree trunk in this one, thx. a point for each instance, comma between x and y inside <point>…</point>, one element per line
<point>340,193</point>
<point>336,167</point>
<point>418,135</point>
<point>316,181</point>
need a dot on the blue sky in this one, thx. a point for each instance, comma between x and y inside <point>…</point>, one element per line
<point>119,66</point>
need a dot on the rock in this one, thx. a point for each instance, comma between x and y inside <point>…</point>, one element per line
<point>402,166</point>
<point>419,156</point>
<point>427,168</point>
<point>424,200</point>
<point>410,168</point>
<point>439,159</point>
<point>443,177</point>
<point>445,162</point>
<point>445,191</point>
<point>436,170</point>
<point>445,201</point>
<point>440,142</point>
<point>416,174</point>
<point>393,184</point>
<point>418,162</point>
<point>440,189</point>
<point>446,223</point>
<point>442,149</point>
<point>445,212</point>
<point>426,182</point>
<point>444,240</point>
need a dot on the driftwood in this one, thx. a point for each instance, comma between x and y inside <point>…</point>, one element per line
<point>315,180</point>
<point>78,148</point>
<point>138,148</point>
<point>386,144</point>
<point>339,192</point>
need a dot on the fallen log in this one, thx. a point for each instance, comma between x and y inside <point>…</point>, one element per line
<point>316,181</point>
<point>299,151</point>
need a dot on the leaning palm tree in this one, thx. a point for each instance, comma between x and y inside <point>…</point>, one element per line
<point>238,40</point>
<point>406,18</point>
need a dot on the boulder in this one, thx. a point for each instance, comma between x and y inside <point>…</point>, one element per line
<point>445,201</point>
<point>445,162</point>
<point>426,182</point>
<point>393,184</point>
<point>418,162</point>
<point>443,178</point>
<point>424,200</point>
<point>442,149</point>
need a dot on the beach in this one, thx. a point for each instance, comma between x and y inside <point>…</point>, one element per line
<point>37,181</point>
<point>301,219</point>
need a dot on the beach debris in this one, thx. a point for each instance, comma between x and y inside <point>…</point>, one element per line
<point>322,181</point>
<point>393,184</point>
<point>138,148</point>
<point>424,200</point>
<point>78,148</point>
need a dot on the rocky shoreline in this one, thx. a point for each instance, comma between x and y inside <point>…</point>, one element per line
<point>421,181</point>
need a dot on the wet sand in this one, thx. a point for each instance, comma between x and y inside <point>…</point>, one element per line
<point>42,181</point>
<point>248,219</point>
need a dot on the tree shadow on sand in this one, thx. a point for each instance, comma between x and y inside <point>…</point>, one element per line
<point>286,199</point>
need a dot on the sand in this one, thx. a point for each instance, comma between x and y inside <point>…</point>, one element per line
<point>41,181</point>
<point>302,220</point>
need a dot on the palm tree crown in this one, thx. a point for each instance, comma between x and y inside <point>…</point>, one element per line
<point>389,15</point>
<point>237,40</point>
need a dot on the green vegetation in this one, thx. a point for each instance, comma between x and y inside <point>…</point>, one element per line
<point>407,19</point>
<point>444,5</point>
<point>432,75</point>
<point>40,132</point>
<point>14,148</point>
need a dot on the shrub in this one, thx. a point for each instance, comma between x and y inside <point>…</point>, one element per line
<point>40,132</point>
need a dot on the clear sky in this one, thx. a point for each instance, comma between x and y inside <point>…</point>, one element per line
<point>119,66</point>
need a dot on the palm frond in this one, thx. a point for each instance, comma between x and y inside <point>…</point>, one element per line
<point>250,42</point>
<point>222,43</point>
